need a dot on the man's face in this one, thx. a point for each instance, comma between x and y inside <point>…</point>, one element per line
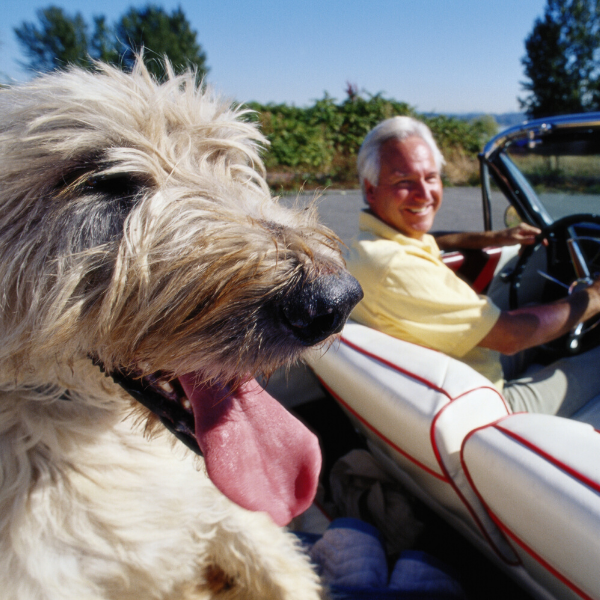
<point>409,192</point>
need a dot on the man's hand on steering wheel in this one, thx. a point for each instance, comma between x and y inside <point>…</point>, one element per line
<point>596,284</point>
<point>523,234</point>
<point>570,263</point>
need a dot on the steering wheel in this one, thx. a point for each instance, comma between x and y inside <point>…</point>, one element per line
<point>569,262</point>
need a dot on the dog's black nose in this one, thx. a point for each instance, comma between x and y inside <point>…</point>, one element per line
<point>320,307</point>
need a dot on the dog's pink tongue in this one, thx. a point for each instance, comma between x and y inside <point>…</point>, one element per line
<point>255,451</point>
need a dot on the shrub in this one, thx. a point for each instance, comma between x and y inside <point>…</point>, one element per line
<point>317,145</point>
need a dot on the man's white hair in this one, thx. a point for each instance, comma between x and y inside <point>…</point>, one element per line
<point>398,128</point>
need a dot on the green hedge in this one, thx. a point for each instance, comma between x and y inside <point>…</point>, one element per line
<point>318,145</point>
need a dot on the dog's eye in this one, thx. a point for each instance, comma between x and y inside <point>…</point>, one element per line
<point>83,180</point>
<point>118,185</point>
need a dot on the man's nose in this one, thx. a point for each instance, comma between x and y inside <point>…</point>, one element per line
<point>422,191</point>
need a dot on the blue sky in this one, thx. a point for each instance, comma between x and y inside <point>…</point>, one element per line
<point>437,55</point>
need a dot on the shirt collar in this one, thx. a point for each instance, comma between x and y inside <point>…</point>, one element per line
<point>367,221</point>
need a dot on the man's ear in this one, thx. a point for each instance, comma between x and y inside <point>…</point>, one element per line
<point>369,192</point>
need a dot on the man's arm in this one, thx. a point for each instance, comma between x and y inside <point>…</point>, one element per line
<point>521,234</point>
<point>531,326</point>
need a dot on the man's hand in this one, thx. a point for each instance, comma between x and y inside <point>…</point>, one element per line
<point>523,234</point>
<point>531,326</point>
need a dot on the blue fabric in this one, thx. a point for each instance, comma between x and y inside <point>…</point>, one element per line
<point>417,571</point>
<point>351,560</point>
<point>356,525</point>
<point>307,539</point>
<point>350,553</point>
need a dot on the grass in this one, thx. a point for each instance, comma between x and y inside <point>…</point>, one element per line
<point>566,174</point>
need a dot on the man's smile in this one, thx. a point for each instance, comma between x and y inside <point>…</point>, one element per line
<point>420,210</point>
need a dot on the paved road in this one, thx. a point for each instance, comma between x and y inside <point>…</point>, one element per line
<point>461,210</point>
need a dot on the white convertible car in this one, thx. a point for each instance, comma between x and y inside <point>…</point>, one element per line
<point>523,488</point>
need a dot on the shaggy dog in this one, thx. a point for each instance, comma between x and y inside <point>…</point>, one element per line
<point>140,245</point>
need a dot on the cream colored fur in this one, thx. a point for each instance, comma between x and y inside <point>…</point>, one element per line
<point>175,277</point>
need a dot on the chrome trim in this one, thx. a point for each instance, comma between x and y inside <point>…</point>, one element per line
<point>524,195</point>
<point>539,127</point>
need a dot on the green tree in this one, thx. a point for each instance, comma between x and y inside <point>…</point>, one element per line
<point>160,34</point>
<point>60,40</point>
<point>103,45</point>
<point>320,142</point>
<point>562,60</point>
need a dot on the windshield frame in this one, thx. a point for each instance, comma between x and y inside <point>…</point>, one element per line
<point>496,164</point>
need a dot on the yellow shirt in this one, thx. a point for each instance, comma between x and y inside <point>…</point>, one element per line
<point>412,295</point>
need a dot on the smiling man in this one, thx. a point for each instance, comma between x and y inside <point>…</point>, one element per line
<point>409,292</point>
<point>408,193</point>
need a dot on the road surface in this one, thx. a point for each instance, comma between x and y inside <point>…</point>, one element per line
<point>461,210</point>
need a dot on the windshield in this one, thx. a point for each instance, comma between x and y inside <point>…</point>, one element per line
<point>564,173</point>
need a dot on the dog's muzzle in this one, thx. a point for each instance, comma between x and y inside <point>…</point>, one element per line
<point>311,312</point>
<point>319,308</point>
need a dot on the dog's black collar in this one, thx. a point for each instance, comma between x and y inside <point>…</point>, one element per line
<point>173,416</point>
